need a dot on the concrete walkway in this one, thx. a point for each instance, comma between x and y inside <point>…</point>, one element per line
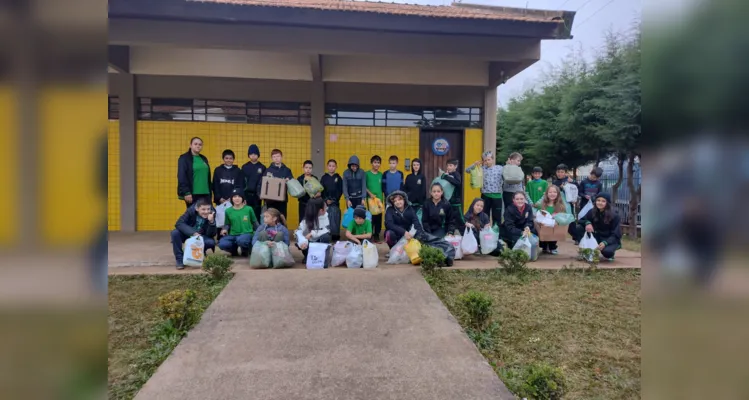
<point>151,253</point>
<point>335,334</point>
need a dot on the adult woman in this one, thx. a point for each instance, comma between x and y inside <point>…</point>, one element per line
<point>193,174</point>
<point>491,190</point>
<point>603,222</point>
<point>315,226</point>
<point>553,203</point>
<point>415,186</point>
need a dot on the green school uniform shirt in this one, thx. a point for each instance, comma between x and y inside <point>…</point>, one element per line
<point>362,229</point>
<point>374,183</point>
<point>200,176</point>
<point>536,189</point>
<point>240,221</point>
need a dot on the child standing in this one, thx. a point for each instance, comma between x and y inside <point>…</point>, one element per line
<point>438,216</point>
<point>591,186</point>
<point>332,184</point>
<point>240,224</point>
<point>491,190</point>
<point>553,203</point>
<point>271,230</point>
<point>509,189</point>
<point>392,179</point>
<point>354,183</point>
<point>561,179</point>
<point>537,187</point>
<point>415,186</point>
<point>198,220</point>
<point>453,176</point>
<point>278,170</point>
<point>307,168</point>
<point>226,178</point>
<point>360,228</point>
<point>374,190</point>
<point>253,172</point>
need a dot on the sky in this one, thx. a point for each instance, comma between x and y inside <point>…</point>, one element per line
<point>593,20</point>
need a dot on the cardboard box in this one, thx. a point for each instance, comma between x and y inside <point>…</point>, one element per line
<point>548,234</point>
<point>273,189</point>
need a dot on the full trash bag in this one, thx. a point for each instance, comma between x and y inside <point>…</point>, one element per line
<point>294,188</point>
<point>447,249</point>
<point>355,258</point>
<point>523,244</point>
<point>489,240</point>
<point>260,257</point>
<point>317,254</point>
<point>570,193</point>
<point>533,239</point>
<point>281,256</point>
<point>369,254</point>
<point>588,241</point>
<point>341,250</point>
<point>412,249</point>
<point>564,219</point>
<point>398,253</point>
<point>194,251</point>
<point>512,174</point>
<point>455,241</point>
<point>469,243</point>
<point>312,186</point>
<point>334,217</point>
<point>477,178</point>
<point>448,187</point>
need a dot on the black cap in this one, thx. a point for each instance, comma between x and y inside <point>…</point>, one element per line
<point>237,192</point>
<point>253,149</point>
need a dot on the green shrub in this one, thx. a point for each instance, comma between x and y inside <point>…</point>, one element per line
<point>484,338</point>
<point>431,258</point>
<point>514,261</point>
<point>179,308</point>
<point>217,266</point>
<point>541,382</point>
<point>590,256</point>
<point>477,307</point>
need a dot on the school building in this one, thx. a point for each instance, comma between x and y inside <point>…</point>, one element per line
<point>318,79</point>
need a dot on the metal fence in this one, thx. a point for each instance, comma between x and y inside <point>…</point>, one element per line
<point>624,197</point>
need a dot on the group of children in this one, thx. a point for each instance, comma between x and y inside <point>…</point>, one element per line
<point>407,203</point>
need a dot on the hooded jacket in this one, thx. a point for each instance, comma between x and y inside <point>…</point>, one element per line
<point>354,183</point>
<point>400,221</point>
<point>191,222</point>
<point>253,176</point>
<point>515,222</point>
<point>479,221</point>
<point>609,233</point>
<point>438,216</point>
<point>416,188</point>
<point>225,180</point>
<point>455,179</point>
<point>185,174</point>
<point>332,187</point>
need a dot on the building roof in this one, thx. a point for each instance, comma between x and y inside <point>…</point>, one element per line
<point>456,10</point>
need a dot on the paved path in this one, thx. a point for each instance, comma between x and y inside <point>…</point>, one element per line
<point>336,334</point>
<point>151,253</point>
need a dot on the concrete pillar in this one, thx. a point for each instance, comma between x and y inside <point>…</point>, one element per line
<point>128,119</point>
<point>490,119</point>
<point>317,142</point>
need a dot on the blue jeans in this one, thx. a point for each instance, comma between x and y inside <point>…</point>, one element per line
<point>231,243</point>
<point>178,238</point>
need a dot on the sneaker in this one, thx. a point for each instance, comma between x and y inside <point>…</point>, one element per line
<point>577,243</point>
<point>554,252</point>
<point>449,262</point>
<point>180,266</point>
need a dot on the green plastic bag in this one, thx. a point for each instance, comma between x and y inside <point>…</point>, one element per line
<point>281,255</point>
<point>312,186</point>
<point>446,186</point>
<point>564,219</point>
<point>295,188</point>
<point>477,178</point>
<point>260,256</point>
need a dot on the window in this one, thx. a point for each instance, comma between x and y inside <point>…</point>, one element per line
<point>114,107</point>
<point>234,111</point>
<point>362,115</point>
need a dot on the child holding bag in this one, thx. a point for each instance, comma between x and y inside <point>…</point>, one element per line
<point>553,203</point>
<point>518,220</point>
<point>476,219</point>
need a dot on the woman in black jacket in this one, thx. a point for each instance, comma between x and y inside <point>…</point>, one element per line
<point>415,186</point>
<point>193,174</point>
<point>437,215</point>
<point>518,220</point>
<point>603,222</point>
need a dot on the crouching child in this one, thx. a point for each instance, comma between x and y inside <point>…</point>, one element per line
<point>360,228</point>
<point>399,218</point>
<point>240,225</point>
<point>198,220</point>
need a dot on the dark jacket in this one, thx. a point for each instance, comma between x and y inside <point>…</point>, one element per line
<point>479,221</point>
<point>456,181</point>
<point>589,188</point>
<point>354,183</point>
<point>400,221</point>
<point>225,180</point>
<point>416,188</point>
<point>282,172</point>
<point>190,222</point>
<point>332,187</point>
<point>515,222</point>
<point>438,216</point>
<point>253,176</point>
<point>185,175</point>
<point>560,182</point>
<point>609,233</point>
<point>306,197</point>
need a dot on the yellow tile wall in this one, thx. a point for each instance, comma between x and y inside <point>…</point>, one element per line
<point>341,142</point>
<point>113,174</point>
<point>159,145</point>
<point>9,163</point>
<point>474,141</point>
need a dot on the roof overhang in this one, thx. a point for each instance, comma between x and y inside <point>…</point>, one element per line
<point>522,23</point>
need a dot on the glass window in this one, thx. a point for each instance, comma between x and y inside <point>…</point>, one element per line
<point>235,111</point>
<point>114,107</point>
<point>347,114</point>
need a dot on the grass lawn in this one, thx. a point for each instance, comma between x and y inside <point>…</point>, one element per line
<point>134,349</point>
<point>631,244</point>
<point>586,323</point>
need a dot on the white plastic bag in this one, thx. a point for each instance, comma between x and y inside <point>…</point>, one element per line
<point>469,243</point>
<point>489,240</point>
<point>355,258</point>
<point>545,219</point>
<point>221,214</point>
<point>300,239</point>
<point>524,244</point>
<point>588,242</point>
<point>194,254</point>
<point>512,174</point>
<point>340,251</point>
<point>316,255</point>
<point>570,192</point>
<point>370,256</point>
<point>455,241</point>
<point>398,253</point>
<point>585,210</point>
